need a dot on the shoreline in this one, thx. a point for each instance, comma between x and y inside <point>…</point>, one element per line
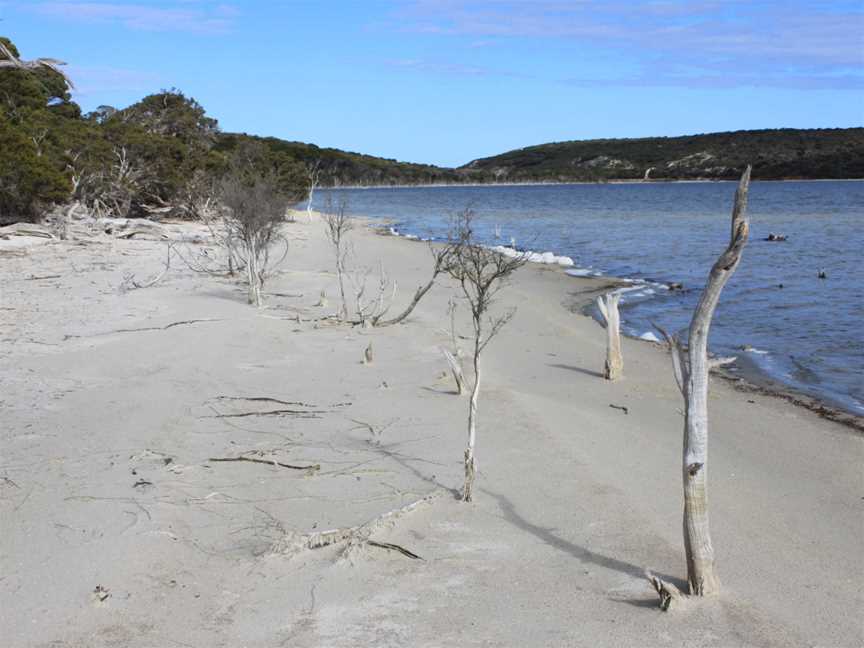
<point>452,185</point>
<point>745,376</point>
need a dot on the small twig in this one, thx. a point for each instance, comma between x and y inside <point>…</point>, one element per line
<point>35,278</point>
<point>312,467</point>
<point>620,407</point>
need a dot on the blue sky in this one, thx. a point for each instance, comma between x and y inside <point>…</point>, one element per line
<point>447,81</point>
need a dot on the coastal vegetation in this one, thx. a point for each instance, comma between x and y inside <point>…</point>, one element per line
<point>775,154</point>
<point>150,158</point>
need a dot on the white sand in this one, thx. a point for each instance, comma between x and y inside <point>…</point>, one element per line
<point>574,499</point>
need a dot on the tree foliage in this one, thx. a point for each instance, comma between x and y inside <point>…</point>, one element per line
<point>152,157</point>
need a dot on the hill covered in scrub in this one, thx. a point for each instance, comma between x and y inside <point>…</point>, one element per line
<point>775,154</point>
<point>343,168</point>
<point>163,153</point>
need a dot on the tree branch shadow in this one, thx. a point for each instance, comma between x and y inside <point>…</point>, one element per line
<point>582,554</point>
<point>587,372</point>
<point>403,460</point>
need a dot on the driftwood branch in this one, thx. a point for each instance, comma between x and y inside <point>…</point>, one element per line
<point>442,257</point>
<point>668,593</point>
<point>353,537</point>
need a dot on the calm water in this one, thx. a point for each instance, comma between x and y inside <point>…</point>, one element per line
<point>807,334</point>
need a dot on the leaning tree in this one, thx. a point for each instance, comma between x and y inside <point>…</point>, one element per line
<point>691,366</point>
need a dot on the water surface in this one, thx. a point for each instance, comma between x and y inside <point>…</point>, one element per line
<point>807,333</point>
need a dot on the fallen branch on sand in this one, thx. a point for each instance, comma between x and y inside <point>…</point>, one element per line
<point>145,328</point>
<point>623,408</point>
<point>354,537</point>
<point>129,282</point>
<point>394,547</point>
<point>264,399</point>
<point>277,412</point>
<point>268,462</point>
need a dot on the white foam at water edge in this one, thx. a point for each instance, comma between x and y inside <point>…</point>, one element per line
<point>756,351</point>
<point>583,272</point>
<point>412,237</point>
<point>546,258</point>
<point>649,336</point>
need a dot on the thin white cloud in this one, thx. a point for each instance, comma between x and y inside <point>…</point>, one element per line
<point>176,15</point>
<point>728,41</point>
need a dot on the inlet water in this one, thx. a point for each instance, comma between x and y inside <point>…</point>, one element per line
<point>798,329</point>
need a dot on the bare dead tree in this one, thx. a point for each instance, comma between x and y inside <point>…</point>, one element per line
<point>314,174</point>
<point>691,366</point>
<point>481,273</point>
<point>368,310</point>
<point>254,210</point>
<point>339,223</point>
<point>441,261</point>
<point>608,305</point>
<point>9,60</point>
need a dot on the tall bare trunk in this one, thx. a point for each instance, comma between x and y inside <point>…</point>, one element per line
<point>470,462</point>
<point>340,276</point>
<point>691,371</point>
<point>608,305</point>
<point>253,276</point>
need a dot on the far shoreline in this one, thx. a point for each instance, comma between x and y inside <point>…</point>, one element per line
<point>452,185</point>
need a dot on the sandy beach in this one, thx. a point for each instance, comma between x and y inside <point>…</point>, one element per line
<point>120,529</point>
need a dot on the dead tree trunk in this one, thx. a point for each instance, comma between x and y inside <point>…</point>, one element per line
<point>470,462</point>
<point>691,367</point>
<point>608,305</point>
<point>253,277</point>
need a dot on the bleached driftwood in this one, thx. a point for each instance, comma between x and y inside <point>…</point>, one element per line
<point>668,593</point>
<point>691,367</point>
<point>354,537</point>
<point>126,228</point>
<point>129,282</point>
<point>25,229</point>
<point>608,305</point>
